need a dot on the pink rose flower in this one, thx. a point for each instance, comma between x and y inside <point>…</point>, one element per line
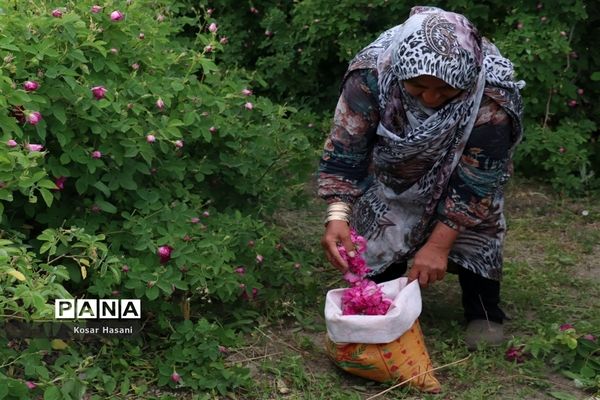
<point>99,92</point>
<point>57,13</point>
<point>31,86</point>
<point>240,270</point>
<point>213,27</point>
<point>12,143</point>
<point>150,138</point>
<point>247,92</point>
<point>135,66</point>
<point>96,154</point>
<point>116,16</point>
<point>260,259</point>
<point>160,104</point>
<point>179,144</point>
<point>565,327</point>
<point>212,130</point>
<point>164,253</point>
<point>60,182</point>
<point>175,377</point>
<point>249,106</point>
<point>224,40</point>
<point>96,9</point>
<point>33,118</point>
<point>34,147</point>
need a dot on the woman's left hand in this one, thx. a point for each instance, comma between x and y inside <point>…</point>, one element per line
<point>429,265</point>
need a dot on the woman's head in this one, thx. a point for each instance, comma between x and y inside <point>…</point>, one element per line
<point>439,44</point>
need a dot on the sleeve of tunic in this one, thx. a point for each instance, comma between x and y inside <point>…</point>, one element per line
<point>343,169</point>
<point>481,172</point>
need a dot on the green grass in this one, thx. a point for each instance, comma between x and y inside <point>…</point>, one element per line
<point>552,276</point>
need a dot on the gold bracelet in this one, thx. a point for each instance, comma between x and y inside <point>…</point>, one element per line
<point>338,211</point>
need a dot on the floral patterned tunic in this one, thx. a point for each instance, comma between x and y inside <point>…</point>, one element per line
<point>472,202</point>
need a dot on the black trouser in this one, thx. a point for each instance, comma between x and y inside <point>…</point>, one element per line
<point>480,296</point>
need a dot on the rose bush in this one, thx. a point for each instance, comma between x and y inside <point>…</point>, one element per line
<point>156,167</point>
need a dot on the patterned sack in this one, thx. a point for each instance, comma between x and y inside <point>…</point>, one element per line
<point>394,362</point>
<point>385,348</point>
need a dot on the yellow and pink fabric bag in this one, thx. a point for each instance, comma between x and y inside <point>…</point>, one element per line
<point>385,348</point>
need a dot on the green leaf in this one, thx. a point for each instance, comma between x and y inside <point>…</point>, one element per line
<point>152,293</point>
<point>47,183</point>
<point>47,195</point>
<point>106,206</point>
<point>596,76</point>
<point>52,393</point>
<point>177,86</point>
<point>103,188</point>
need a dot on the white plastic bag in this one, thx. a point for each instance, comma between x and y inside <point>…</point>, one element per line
<point>403,312</point>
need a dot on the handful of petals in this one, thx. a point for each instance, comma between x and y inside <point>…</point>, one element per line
<point>364,297</point>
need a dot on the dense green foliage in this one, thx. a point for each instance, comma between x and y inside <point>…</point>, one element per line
<point>302,49</point>
<point>148,146</point>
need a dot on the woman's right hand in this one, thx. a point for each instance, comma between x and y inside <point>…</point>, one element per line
<point>337,232</point>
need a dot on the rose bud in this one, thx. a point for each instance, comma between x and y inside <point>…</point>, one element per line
<point>99,92</point>
<point>60,183</point>
<point>164,253</point>
<point>247,92</point>
<point>33,118</point>
<point>31,86</point>
<point>259,259</point>
<point>11,143</point>
<point>179,144</point>
<point>213,28</point>
<point>268,33</point>
<point>519,25</point>
<point>250,243</point>
<point>141,36</point>
<point>212,130</point>
<point>240,270</point>
<point>589,337</point>
<point>249,106</point>
<point>175,377</point>
<point>160,104</point>
<point>224,40</point>
<point>580,91</point>
<point>206,214</point>
<point>34,147</point>
<point>565,327</point>
<point>96,154</point>
<point>57,13</point>
<point>208,49</point>
<point>150,138</point>
<point>96,9</point>
<point>210,11</point>
<point>572,103</point>
<point>194,220</point>
<point>30,385</point>
<point>253,10</point>
<point>116,16</point>
<point>125,268</point>
<point>114,50</point>
<point>297,265</point>
<point>562,150</point>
